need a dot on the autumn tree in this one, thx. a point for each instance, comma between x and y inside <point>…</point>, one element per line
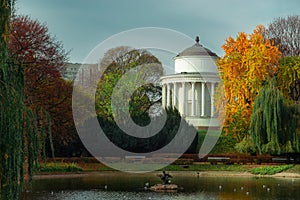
<point>43,59</point>
<point>249,60</point>
<point>57,102</point>
<point>289,78</point>
<point>285,33</point>
<point>40,53</point>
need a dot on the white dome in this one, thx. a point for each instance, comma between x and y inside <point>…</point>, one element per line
<point>196,59</point>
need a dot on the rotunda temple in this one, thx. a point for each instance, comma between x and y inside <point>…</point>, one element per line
<point>191,89</point>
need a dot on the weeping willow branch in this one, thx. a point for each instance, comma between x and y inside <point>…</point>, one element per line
<point>273,126</point>
<point>19,133</point>
<point>11,116</point>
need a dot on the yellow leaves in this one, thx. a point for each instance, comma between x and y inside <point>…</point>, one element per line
<point>288,75</point>
<point>249,60</point>
<point>259,30</point>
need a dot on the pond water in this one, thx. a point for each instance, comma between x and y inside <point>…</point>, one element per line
<point>116,186</point>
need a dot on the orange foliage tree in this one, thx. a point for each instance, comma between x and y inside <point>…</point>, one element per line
<point>249,60</point>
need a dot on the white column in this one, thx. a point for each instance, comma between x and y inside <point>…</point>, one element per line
<point>202,99</point>
<point>212,99</point>
<point>174,94</point>
<point>183,98</point>
<point>168,95</point>
<point>163,96</point>
<point>193,99</point>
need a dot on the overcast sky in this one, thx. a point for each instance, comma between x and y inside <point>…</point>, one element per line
<point>83,24</point>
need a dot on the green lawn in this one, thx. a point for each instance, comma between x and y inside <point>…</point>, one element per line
<point>206,167</point>
<point>270,170</point>
<point>52,167</point>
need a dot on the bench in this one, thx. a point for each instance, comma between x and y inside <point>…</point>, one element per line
<point>135,158</point>
<point>215,160</point>
<point>282,160</point>
<point>279,159</point>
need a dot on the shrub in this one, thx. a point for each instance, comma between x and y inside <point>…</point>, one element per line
<point>59,167</point>
<point>245,146</point>
<point>225,143</point>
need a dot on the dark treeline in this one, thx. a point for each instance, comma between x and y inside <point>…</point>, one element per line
<point>153,143</point>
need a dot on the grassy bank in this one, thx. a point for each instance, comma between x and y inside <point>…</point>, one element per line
<point>270,170</point>
<point>73,167</point>
<point>207,167</point>
<point>60,167</point>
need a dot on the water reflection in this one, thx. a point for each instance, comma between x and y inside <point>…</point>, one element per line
<point>111,186</point>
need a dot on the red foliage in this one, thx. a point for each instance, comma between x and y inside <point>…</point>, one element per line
<point>43,57</point>
<point>32,45</point>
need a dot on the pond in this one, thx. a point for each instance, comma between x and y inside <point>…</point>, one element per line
<point>115,186</point>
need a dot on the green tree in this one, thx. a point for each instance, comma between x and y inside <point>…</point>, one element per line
<point>11,113</point>
<point>142,98</point>
<point>273,127</point>
<point>140,101</point>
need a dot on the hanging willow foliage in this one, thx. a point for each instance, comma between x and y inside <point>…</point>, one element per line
<point>11,129</point>
<point>11,116</point>
<point>21,138</point>
<point>273,126</point>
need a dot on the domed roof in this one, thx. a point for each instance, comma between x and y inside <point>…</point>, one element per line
<point>197,50</point>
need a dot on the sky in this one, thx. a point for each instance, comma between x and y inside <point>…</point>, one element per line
<point>83,24</point>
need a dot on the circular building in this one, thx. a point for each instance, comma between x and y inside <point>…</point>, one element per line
<point>192,87</point>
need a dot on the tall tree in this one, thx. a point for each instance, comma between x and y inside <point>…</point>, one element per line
<point>289,78</point>
<point>11,112</point>
<point>43,58</point>
<point>113,55</point>
<point>285,33</point>
<point>248,61</point>
<point>274,124</point>
<point>144,97</point>
<point>57,102</point>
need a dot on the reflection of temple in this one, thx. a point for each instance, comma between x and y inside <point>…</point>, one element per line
<point>191,87</point>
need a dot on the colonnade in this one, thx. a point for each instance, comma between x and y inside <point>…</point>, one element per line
<point>179,94</point>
